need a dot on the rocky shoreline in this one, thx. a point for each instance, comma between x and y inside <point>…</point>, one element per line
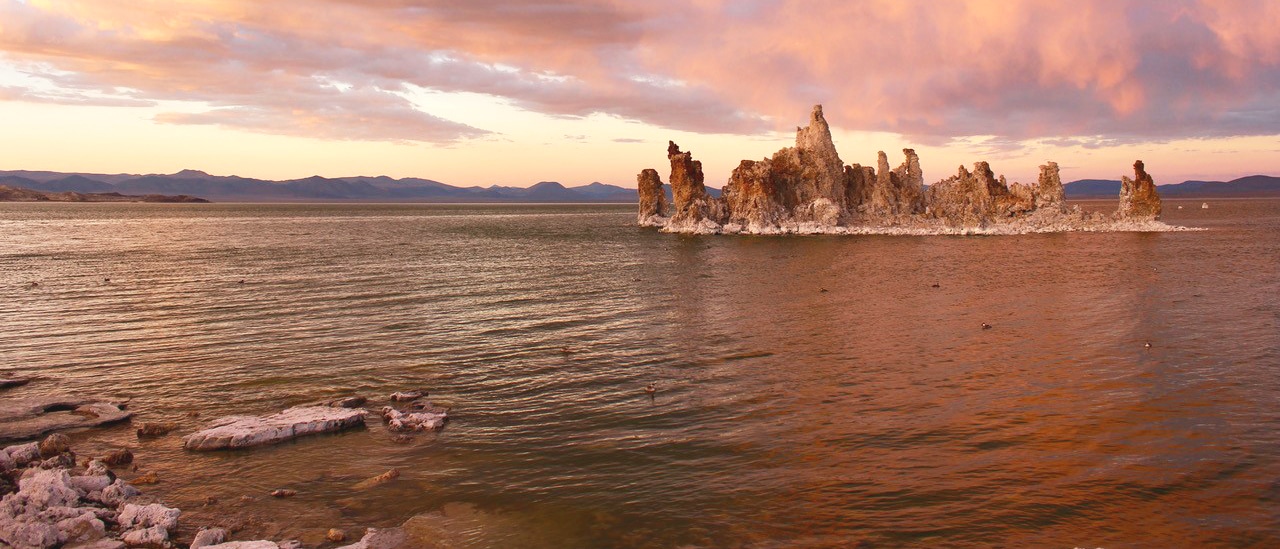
<point>54,498</point>
<point>807,189</point>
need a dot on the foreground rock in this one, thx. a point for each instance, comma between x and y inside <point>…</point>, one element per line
<point>56,506</point>
<point>249,431</point>
<point>28,418</point>
<point>89,508</point>
<point>807,189</point>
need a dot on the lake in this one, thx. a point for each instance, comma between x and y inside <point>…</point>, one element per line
<point>811,391</point>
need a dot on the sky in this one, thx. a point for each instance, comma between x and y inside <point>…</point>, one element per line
<point>483,92</point>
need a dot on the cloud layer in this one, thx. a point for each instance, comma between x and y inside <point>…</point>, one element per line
<point>932,71</point>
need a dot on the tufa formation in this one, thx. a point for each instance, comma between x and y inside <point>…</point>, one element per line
<point>654,208</point>
<point>808,189</point>
<point>1138,196</point>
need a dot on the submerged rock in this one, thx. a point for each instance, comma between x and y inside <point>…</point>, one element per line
<point>427,419</point>
<point>377,481</point>
<point>7,382</point>
<point>156,429</point>
<point>654,208</point>
<point>249,431</point>
<point>382,538</point>
<point>29,418</point>
<point>119,456</point>
<point>1138,196</point>
<point>405,396</point>
<point>346,402</point>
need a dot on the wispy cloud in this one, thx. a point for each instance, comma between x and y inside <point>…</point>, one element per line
<point>1123,70</point>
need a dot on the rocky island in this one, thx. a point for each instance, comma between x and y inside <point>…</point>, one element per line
<point>807,189</point>
<point>23,194</point>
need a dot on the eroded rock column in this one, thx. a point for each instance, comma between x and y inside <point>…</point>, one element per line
<point>694,208</point>
<point>653,200</point>
<point>1138,196</point>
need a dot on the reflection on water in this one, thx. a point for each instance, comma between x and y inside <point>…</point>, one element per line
<point>876,412</point>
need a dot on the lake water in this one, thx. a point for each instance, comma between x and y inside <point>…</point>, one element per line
<point>877,412</point>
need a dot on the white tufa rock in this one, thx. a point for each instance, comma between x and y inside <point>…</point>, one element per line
<point>145,516</point>
<point>19,455</point>
<point>90,483</point>
<point>249,431</point>
<point>43,513</point>
<point>154,536</point>
<point>209,536</point>
<point>100,544</point>
<point>115,494</point>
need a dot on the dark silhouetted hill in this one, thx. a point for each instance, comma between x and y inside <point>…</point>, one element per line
<point>1244,187</point>
<point>315,188</point>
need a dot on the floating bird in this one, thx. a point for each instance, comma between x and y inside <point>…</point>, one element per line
<point>986,326</point>
<point>822,290</point>
<point>650,390</point>
<point>936,285</point>
<point>34,284</point>
<point>1147,344</point>
<point>106,280</point>
<point>242,281</point>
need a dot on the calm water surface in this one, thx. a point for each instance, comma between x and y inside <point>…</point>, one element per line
<point>875,413</point>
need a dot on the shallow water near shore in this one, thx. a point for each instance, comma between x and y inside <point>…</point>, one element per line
<point>875,412</point>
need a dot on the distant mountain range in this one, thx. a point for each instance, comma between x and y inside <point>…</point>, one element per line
<point>1251,186</point>
<point>410,189</point>
<point>311,189</point>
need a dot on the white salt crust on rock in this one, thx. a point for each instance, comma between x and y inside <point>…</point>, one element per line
<point>250,431</point>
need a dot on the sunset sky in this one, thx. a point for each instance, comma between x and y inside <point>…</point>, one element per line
<point>481,92</point>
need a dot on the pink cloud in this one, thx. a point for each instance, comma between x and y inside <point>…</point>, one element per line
<point>1126,69</point>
